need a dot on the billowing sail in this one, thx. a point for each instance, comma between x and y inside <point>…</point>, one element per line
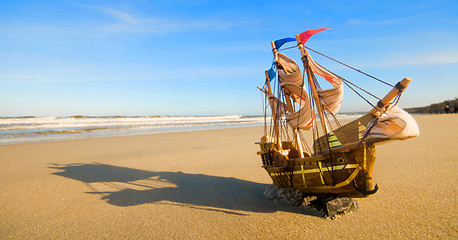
<point>303,118</point>
<point>397,124</point>
<point>288,71</point>
<point>278,106</point>
<point>292,80</point>
<point>331,98</point>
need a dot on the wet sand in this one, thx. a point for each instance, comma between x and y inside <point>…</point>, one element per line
<point>209,185</point>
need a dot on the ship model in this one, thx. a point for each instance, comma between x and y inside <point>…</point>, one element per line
<point>339,160</point>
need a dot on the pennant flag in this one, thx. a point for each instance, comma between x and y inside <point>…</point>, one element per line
<point>361,130</point>
<point>333,141</point>
<point>307,34</point>
<point>280,42</point>
<point>272,74</point>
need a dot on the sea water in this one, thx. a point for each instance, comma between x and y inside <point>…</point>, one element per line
<point>15,130</point>
<point>36,129</point>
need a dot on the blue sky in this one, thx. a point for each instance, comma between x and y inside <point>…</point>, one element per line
<point>197,57</point>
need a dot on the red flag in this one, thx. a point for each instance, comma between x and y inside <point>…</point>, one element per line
<point>307,34</point>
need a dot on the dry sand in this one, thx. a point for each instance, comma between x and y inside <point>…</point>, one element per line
<point>209,185</point>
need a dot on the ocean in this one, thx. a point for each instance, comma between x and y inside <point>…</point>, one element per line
<point>14,130</point>
<point>37,129</point>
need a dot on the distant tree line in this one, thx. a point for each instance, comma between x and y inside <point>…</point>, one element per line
<point>449,106</point>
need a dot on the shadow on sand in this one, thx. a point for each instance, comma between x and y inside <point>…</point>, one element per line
<point>121,186</point>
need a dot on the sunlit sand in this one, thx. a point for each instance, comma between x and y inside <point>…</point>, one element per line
<point>210,184</point>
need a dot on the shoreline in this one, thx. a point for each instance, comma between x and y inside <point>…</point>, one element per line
<point>115,135</point>
<point>43,129</point>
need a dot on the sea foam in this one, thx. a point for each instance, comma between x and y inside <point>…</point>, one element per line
<point>36,129</point>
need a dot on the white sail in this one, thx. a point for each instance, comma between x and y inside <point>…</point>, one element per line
<point>292,81</point>
<point>301,119</point>
<point>288,70</point>
<point>397,124</point>
<point>297,93</point>
<point>331,98</point>
<point>304,117</point>
<point>275,103</point>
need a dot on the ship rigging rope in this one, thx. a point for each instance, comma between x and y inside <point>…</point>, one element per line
<point>359,94</point>
<point>264,100</point>
<point>346,65</point>
<point>340,63</point>
<point>348,83</point>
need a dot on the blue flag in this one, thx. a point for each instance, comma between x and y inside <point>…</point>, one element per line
<point>272,73</point>
<point>280,42</point>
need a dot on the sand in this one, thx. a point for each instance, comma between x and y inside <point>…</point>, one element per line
<point>209,185</point>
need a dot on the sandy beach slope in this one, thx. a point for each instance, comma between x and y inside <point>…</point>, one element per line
<point>209,185</point>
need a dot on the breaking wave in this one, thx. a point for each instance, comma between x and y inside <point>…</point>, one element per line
<point>36,129</point>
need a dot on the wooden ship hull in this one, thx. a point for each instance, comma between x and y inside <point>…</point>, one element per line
<point>343,173</point>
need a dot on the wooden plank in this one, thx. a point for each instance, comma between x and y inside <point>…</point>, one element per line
<point>347,134</point>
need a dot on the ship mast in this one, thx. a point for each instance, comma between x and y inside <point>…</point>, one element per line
<point>310,77</point>
<point>274,113</point>
<point>289,106</point>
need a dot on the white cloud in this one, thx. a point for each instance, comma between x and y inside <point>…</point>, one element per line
<point>68,74</point>
<point>398,60</point>
<point>391,21</point>
<point>135,22</point>
<point>435,58</point>
<point>113,21</point>
<point>122,15</point>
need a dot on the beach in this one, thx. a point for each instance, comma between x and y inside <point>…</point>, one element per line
<point>209,185</point>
